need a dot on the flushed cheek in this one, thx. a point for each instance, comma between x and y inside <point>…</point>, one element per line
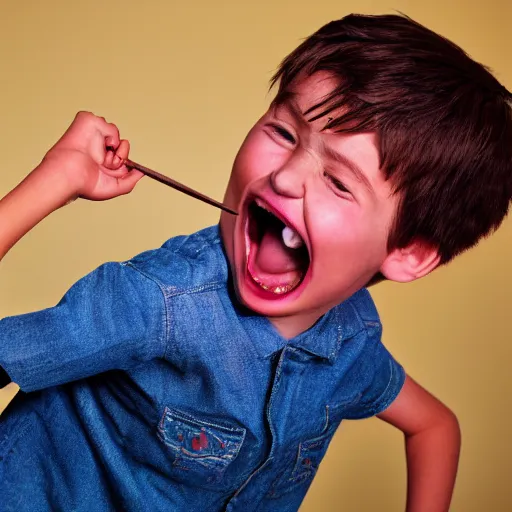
<point>343,248</point>
<point>332,221</point>
<point>260,156</point>
<point>328,221</point>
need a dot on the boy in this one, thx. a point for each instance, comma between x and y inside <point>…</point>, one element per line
<point>211,374</point>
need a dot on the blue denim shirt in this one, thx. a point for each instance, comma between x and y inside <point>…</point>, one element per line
<point>153,389</point>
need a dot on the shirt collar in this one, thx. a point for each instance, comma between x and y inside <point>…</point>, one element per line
<point>323,340</point>
<point>327,336</point>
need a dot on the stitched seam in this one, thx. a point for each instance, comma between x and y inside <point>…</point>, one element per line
<point>166,309</point>
<point>363,326</point>
<point>370,408</point>
<point>367,323</point>
<point>391,378</point>
<point>176,292</point>
<point>339,339</point>
<point>383,398</point>
<point>180,415</point>
<point>206,242</point>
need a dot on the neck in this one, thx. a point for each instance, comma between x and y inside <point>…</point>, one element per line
<point>291,326</point>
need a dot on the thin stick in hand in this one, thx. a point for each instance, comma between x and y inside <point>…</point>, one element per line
<point>178,186</point>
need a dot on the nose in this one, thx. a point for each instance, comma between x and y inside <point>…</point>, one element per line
<point>290,179</point>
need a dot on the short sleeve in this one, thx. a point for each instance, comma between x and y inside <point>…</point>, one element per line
<point>386,382</point>
<point>113,318</point>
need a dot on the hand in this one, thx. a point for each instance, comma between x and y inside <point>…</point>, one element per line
<point>88,161</point>
<point>92,155</point>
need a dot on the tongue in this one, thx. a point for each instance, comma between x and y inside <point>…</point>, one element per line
<point>273,256</point>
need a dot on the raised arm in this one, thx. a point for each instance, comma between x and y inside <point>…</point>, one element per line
<point>86,162</point>
<point>432,441</point>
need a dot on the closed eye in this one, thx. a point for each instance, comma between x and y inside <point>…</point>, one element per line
<point>337,183</point>
<point>283,133</point>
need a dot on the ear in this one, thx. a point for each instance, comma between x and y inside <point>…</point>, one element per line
<point>410,263</point>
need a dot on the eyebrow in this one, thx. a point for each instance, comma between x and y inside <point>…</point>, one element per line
<point>289,103</point>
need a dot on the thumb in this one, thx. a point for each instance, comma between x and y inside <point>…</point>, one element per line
<point>127,183</point>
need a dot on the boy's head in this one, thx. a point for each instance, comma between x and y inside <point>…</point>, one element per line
<point>387,149</point>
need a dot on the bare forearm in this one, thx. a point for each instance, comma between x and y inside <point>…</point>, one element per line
<point>432,460</point>
<point>87,161</point>
<point>40,193</point>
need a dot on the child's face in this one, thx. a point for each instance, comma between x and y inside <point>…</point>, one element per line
<point>329,189</point>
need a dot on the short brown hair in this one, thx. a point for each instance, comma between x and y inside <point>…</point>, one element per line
<point>443,122</point>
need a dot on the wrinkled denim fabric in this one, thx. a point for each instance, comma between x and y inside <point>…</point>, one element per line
<point>148,387</point>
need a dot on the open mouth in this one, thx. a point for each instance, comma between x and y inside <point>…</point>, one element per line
<point>277,257</point>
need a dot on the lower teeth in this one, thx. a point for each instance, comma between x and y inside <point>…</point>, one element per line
<point>279,289</point>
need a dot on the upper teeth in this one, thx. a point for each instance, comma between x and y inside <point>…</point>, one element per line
<point>291,238</point>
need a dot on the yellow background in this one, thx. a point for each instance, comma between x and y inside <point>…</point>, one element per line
<point>184,81</point>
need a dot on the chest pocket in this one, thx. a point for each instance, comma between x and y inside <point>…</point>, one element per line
<point>200,451</point>
<point>310,453</point>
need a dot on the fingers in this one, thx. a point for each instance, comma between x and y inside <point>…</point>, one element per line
<point>114,160</point>
<point>121,154</point>
<point>112,139</point>
<point>101,141</point>
<point>116,150</point>
<point>109,159</point>
<point>108,130</point>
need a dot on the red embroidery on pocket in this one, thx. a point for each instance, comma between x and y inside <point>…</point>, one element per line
<point>198,443</point>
